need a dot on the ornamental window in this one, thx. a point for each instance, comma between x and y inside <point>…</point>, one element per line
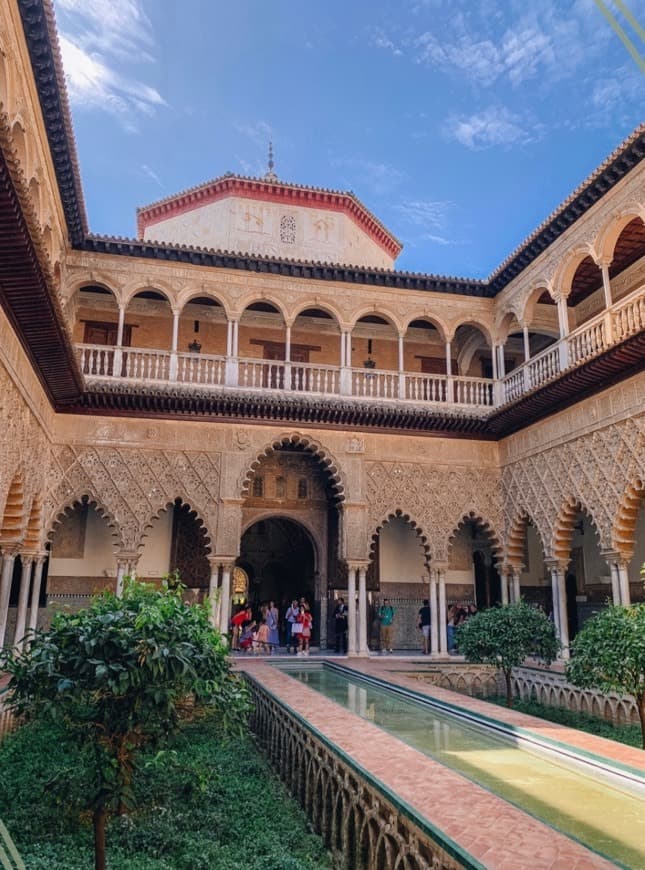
<point>258,487</point>
<point>280,487</point>
<point>303,488</point>
<point>288,229</point>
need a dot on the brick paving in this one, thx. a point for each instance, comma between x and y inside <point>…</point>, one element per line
<point>487,827</point>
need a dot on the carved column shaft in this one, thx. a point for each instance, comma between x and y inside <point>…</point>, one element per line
<point>23,601</point>
<point>363,649</point>
<point>35,591</point>
<point>351,611</point>
<point>8,559</point>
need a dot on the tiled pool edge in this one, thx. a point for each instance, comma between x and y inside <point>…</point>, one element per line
<point>437,838</point>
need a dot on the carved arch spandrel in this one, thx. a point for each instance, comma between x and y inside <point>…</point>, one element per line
<point>195,512</point>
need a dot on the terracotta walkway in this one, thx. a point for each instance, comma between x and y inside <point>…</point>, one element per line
<point>485,826</point>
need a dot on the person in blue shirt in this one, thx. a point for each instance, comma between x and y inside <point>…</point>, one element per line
<point>386,617</point>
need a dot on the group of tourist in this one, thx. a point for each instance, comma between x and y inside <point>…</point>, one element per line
<point>256,634</point>
<point>260,633</point>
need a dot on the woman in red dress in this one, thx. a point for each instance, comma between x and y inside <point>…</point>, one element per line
<point>306,620</point>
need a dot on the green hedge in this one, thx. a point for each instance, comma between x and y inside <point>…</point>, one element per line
<point>629,734</point>
<point>202,804</point>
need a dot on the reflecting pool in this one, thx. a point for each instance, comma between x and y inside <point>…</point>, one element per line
<point>600,814</point>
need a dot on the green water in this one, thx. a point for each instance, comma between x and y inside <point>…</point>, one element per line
<point>603,817</point>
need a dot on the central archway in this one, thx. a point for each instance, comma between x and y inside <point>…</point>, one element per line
<point>281,561</point>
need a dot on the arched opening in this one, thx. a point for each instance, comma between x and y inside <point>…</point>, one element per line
<point>473,351</point>
<point>150,319</point>
<point>424,351</point>
<point>587,575</point>
<point>630,535</point>
<point>290,544</point>
<point>13,520</point>
<point>176,540</point>
<point>398,571</point>
<point>586,298</point>
<point>81,560</point>
<point>472,576</point>
<point>526,554</point>
<point>315,352</point>
<point>375,343</point>
<point>202,327</point>
<point>624,274</point>
<point>279,557</point>
<point>95,313</point>
<point>262,347</point>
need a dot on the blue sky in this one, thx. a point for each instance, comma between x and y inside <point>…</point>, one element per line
<point>460,123</point>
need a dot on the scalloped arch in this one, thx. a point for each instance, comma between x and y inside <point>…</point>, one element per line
<point>320,453</point>
<point>399,514</point>
<point>168,503</point>
<point>487,527</point>
<point>623,533</point>
<point>563,529</point>
<point>517,538</point>
<point>89,498</point>
<point>13,519</point>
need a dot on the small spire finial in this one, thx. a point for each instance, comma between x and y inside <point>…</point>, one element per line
<point>270,174</point>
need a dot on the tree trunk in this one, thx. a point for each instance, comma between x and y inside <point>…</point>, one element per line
<point>509,689</point>
<point>640,703</point>
<point>100,816</point>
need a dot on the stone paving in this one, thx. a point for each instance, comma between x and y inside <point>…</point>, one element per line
<point>488,828</point>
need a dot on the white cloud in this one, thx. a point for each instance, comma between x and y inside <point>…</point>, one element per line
<point>378,178</point>
<point>260,133</point>
<point>494,126</point>
<point>150,173</point>
<point>425,213</point>
<point>544,40</point>
<point>96,38</point>
<point>438,240</point>
<point>379,39</point>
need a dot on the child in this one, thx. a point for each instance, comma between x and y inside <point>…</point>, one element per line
<point>261,641</point>
<point>306,620</point>
<point>246,636</point>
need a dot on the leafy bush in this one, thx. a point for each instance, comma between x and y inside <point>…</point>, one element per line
<point>119,674</point>
<point>609,654</point>
<point>201,803</point>
<point>504,636</point>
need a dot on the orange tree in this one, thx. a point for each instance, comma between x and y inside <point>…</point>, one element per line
<point>504,636</point>
<point>609,654</point>
<point>118,675</point>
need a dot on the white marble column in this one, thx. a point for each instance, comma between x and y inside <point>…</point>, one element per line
<point>611,557</point>
<point>363,649</point>
<point>8,559</point>
<point>443,616</point>
<point>504,576</point>
<point>560,613</point>
<point>287,359</point>
<point>225,597</point>
<point>23,601</point>
<point>35,591</point>
<point>527,343</point>
<point>173,350</point>
<point>434,614</point>
<point>501,365</point>
<point>563,316</point>
<point>401,375</point>
<point>213,593</point>
<point>606,286</point>
<point>515,583</point>
<point>351,611</point>
<point>623,583</point>
<point>121,571</point>
<point>118,352</point>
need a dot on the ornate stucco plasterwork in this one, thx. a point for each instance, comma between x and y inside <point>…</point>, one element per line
<point>436,497</point>
<point>133,485</point>
<point>593,470</point>
<point>24,449</point>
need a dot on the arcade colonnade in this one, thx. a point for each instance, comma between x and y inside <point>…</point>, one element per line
<point>530,506</point>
